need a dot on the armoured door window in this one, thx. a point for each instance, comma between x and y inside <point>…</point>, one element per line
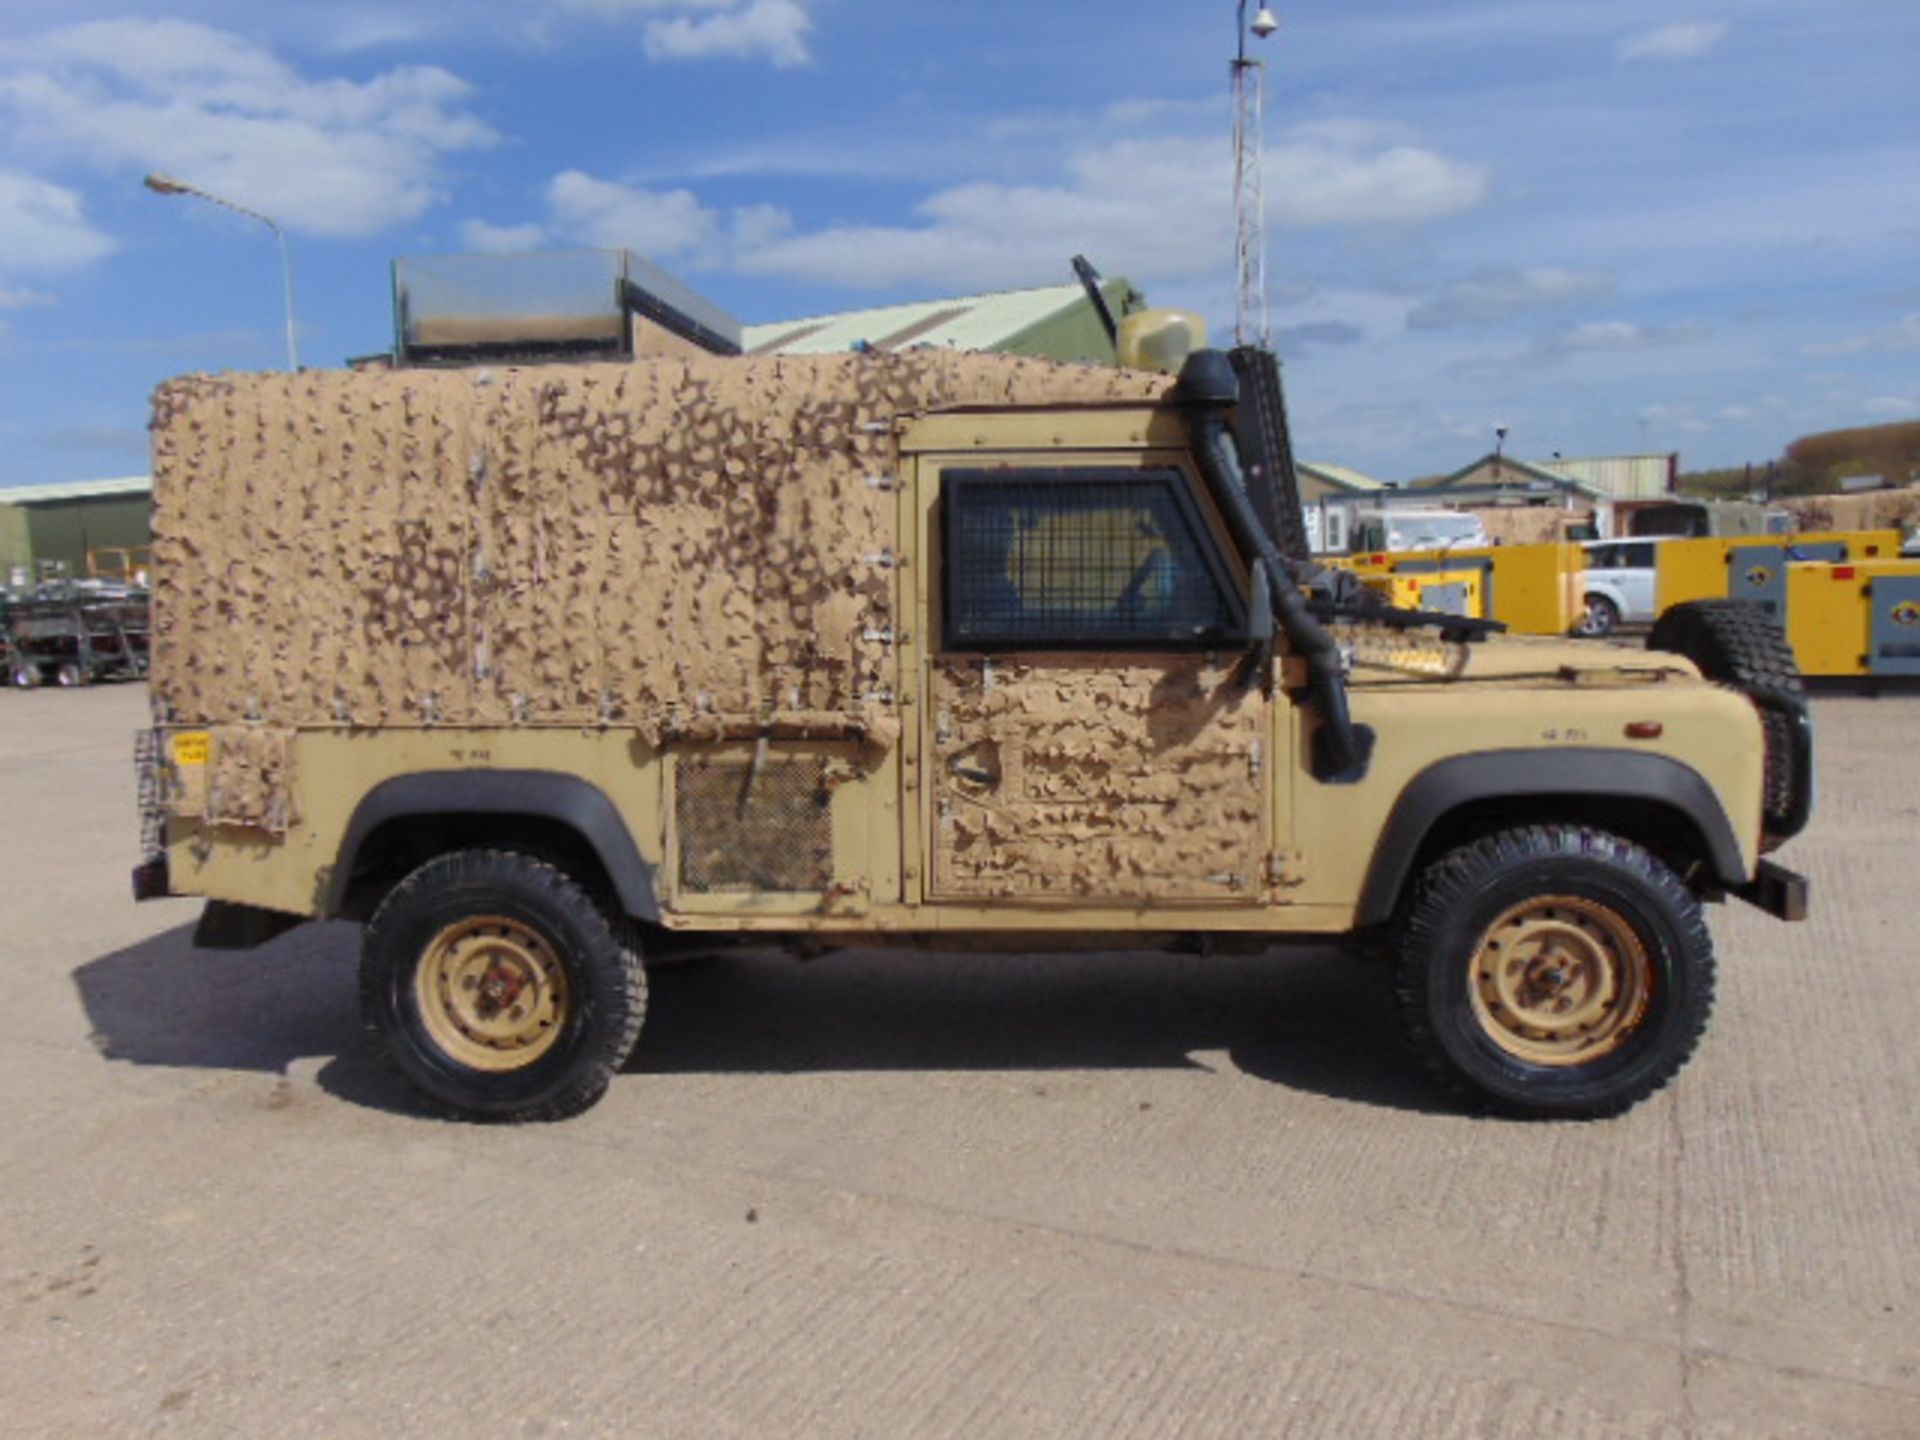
<point>1078,559</point>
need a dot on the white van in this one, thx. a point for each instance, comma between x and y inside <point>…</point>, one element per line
<point>1409,529</point>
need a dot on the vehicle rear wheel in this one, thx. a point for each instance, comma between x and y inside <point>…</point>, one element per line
<point>25,676</point>
<point>500,989</point>
<point>1553,971</point>
<point>1600,617</point>
<point>70,676</point>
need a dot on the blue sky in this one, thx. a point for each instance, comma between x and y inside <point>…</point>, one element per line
<point>1610,226</point>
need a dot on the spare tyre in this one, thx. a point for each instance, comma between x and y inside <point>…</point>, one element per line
<point>1739,644</point>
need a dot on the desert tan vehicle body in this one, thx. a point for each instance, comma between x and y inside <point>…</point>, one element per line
<point>837,650</point>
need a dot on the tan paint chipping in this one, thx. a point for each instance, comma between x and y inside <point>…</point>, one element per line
<point>1117,776</point>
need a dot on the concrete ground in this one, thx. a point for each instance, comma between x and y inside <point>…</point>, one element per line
<point>897,1197</point>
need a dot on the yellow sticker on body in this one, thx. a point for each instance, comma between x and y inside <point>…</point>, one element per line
<point>191,747</point>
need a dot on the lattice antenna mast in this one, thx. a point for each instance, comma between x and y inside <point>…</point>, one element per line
<point>1251,324</point>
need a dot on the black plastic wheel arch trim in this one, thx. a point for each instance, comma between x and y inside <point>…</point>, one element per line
<point>1446,786</point>
<point>535,794</point>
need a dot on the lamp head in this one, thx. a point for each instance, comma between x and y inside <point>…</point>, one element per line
<point>1266,22</point>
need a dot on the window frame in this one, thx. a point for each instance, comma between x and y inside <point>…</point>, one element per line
<point>1171,478</point>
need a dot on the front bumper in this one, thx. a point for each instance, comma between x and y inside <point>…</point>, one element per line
<point>1777,890</point>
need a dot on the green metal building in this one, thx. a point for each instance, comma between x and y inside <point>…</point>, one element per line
<point>55,528</point>
<point>1057,322</point>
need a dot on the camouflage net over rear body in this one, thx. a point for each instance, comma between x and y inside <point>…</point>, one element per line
<point>644,544</point>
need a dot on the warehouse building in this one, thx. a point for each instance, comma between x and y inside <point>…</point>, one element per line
<point>1055,322</point>
<point>87,527</point>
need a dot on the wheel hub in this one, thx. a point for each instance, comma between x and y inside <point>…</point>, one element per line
<point>1560,980</point>
<point>492,993</point>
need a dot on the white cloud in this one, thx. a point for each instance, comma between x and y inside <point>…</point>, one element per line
<point>1616,337</point>
<point>775,30</point>
<point>1496,295</point>
<point>1903,334</point>
<point>329,156</point>
<point>616,9</point>
<point>43,227</point>
<point>15,297</point>
<point>499,239</point>
<point>1147,207</point>
<point>1898,406</point>
<point>1687,40</point>
<point>1350,173</point>
<point>657,223</point>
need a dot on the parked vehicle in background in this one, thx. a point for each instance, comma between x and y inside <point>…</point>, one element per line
<point>72,633</point>
<point>1394,530</point>
<point>1617,587</point>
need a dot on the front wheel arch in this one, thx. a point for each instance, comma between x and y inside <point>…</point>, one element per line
<point>1668,808</point>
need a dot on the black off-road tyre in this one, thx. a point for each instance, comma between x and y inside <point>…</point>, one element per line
<point>464,940</point>
<point>1734,642</point>
<point>1492,927</point>
<point>1737,643</point>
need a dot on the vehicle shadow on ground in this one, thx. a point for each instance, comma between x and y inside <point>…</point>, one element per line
<point>1311,1020</point>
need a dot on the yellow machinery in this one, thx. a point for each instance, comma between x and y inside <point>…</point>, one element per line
<point>1754,567</point>
<point>1444,592</point>
<point>1849,604</point>
<point>1856,618</point>
<point>1531,589</point>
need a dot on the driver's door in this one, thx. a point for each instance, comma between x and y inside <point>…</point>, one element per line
<point>1095,729</point>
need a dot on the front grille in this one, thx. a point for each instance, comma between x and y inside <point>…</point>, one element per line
<point>746,827</point>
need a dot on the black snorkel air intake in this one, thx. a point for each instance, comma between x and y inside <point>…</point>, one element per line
<point>1210,389</point>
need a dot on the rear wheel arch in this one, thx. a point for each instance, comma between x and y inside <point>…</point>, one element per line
<point>1652,800</point>
<point>402,823</point>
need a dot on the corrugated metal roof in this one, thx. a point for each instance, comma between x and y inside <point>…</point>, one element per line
<point>964,322</point>
<point>1343,476</point>
<point>75,490</point>
<point>1625,477</point>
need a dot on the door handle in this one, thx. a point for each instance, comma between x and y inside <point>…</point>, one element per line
<point>979,776</point>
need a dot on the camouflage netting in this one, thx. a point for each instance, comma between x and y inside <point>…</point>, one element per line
<point>655,544</point>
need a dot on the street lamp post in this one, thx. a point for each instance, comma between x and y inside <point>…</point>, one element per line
<point>167,185</point>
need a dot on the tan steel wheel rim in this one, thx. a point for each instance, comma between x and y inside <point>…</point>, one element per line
<point>492,993</point>
<point>1560,980</point>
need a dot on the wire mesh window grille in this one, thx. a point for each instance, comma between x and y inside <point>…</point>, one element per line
<point>1064,559</point>
<point>746,828</point>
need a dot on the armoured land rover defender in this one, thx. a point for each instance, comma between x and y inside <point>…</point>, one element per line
<point>547,672</point>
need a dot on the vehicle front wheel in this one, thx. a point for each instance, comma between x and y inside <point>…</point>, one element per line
<point>1554,971</point>
<point>499,988</point>
<point>1600,617</point>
